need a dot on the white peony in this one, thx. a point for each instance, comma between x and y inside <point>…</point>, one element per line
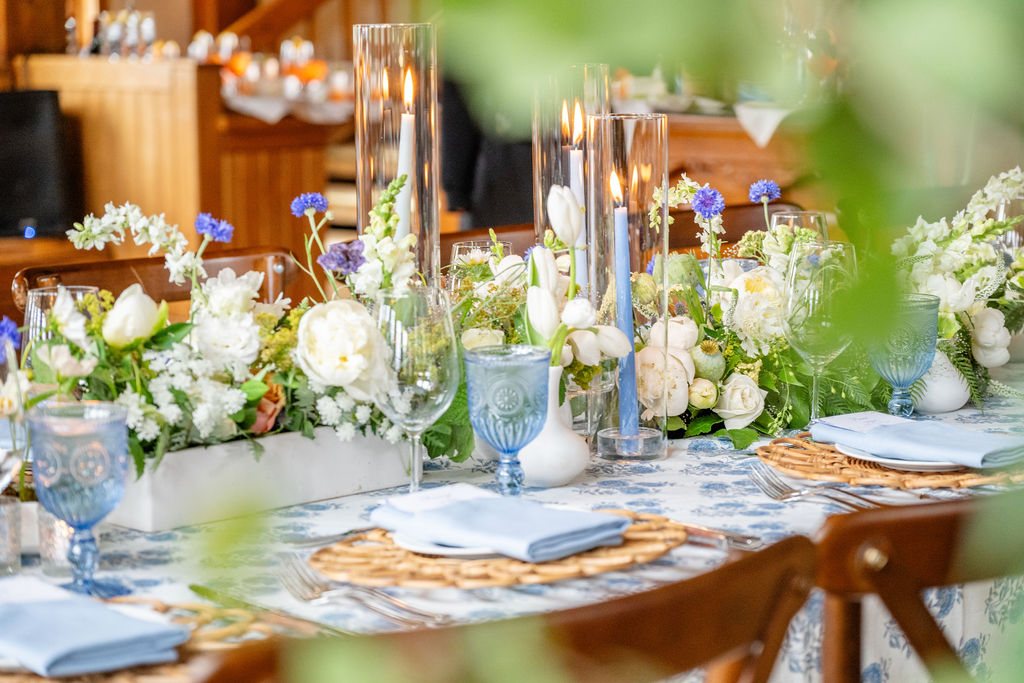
<point>228,294</point>
<point>339,345</point>
<point>134,316</point>
<point>757,317</point>
<point>741,401</point>
<point>679,332</point>
<point>481,336</point>
<point>663,377</point>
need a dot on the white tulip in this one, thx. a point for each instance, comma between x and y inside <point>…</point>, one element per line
<point>579,314</point>
<point>542,311</point>
<point>567,357</point>
<point>740,402</point>
<point>135,316</point>
<point>543,270</point>
<point>481,336</point>
<point>58,358</point>
<point>585,347</point>
<point>565,214</point>
<point>613,343</point>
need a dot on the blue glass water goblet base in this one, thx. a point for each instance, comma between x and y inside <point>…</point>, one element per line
<point>509,475</point>
<point>901,404</point>
<point>84,556</point>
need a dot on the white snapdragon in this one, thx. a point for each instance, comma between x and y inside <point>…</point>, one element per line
<point>180,264</point>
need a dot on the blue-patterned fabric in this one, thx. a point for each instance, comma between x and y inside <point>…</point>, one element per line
<point>703,481</point>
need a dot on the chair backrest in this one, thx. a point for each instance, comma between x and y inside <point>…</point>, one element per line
<point>276,264</point>
<point>895,553</point>
<point>521,236</point>
<point>739,611</point>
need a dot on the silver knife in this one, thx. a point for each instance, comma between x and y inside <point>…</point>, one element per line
<point>268,614</point>
<point>732,539</point>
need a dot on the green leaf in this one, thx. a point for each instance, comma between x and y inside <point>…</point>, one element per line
<point>169,336</point>
<point>257,449</point>
<point>702,424</point>
<point>254,389</point>
<point>741,438</point>
<point>674,423</point>
<point>138,455</point>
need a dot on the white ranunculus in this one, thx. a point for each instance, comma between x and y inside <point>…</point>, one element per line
<point>741,401</point>
<point>228,341</point>
<point>339,345</point>
<point>543,269</point>
<point>228,294</point>
<point>134,316</point>
<point>585,347</point>
<point>579,314</point>
<point>565,214</point>
<point>542,311</point>
<point>612,341</point>
<point>510,269</point>
<point>59,359</point>
<point>703,393</point>
<point>70,321</point>
<point>663,377</point>
<point>680,332</point>
<point>481,336</point>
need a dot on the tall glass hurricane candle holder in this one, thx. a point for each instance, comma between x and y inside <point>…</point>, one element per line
<point>627,162</point>
<point>561,104</point>
<point>396,130</point>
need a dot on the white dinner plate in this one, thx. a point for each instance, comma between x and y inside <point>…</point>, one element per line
<point>905,465</point>
<point>427,548</point>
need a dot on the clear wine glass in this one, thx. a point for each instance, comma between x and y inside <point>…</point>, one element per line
<point>80,463</point>
<point>905,354</point>
<point>812,220</point>
<point>506,387</point>
<point>12,431</point>
<point>422,363</point>
<point>819,273</point>
<point>470,260</point>
<point>38,303</point>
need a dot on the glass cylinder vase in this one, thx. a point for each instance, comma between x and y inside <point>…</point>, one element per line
<point>397,130</point>
<point>627,158</point>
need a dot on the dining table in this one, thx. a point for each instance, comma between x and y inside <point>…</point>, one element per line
<point>703,481</point>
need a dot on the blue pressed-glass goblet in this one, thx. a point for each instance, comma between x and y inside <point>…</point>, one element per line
<point>506,387</point>
<point>80,462</point>
<point>906,353</point>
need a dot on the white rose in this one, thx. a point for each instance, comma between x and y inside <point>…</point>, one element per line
<point>703,393</point>
<point>226,341</point>
<point>134,316</point>
<point>58,358</point>
<point>565,214</point>
<point>680,332</point>
<point>579,314</point>
<point>339,345</point>
<point>228,294</point>
<point>480,336</point>
<point>663,377</point>
<point>741,401</point>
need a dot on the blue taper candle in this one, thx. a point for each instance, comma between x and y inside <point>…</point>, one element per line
<point>629,421</point>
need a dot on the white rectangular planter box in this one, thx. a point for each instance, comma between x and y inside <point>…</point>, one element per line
<point>200,484</point>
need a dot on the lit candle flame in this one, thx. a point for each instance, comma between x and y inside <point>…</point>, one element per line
<point>407,95</point>
<point>565,120</point>
<point>633,182</point>
<point>616,188</point>
<point>577,124</point>
<point>384,84</point>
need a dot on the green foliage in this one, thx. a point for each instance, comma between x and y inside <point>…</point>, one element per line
<point>452,434</point>
<point>741,438</point>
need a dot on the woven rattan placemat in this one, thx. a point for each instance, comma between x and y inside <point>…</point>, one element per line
<point>800,457</point>
<point>373,559</point>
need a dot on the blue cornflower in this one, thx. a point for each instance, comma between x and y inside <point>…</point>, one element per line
<point>650,265</point>
<point>764,191</point>
<point>814,259</point>
<point>708,201</point>
<point>219,231</point>
<point>307,201</point>
<point>343,257</point>
<point>9,333</point>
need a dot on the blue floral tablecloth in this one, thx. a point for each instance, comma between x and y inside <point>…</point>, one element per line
<point>703,481</point>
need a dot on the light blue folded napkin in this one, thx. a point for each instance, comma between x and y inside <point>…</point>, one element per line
<point>75,635</point>
<point>887,436</point>
<point>519,528</point>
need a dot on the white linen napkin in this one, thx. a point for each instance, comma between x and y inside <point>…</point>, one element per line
<point>54,632</point>
<point>464,516</point>
<point>900,438</point>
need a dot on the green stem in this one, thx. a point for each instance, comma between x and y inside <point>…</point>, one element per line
<point>197,291</point>
<point>571,294</point>
<point>309,262</point>
<point>557,343</point>
<point>767,222</point>
<point>135,371</point>
<point>315,227</point>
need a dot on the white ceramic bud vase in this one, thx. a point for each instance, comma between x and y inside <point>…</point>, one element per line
<point>945,389</point>
<point>558,454</point>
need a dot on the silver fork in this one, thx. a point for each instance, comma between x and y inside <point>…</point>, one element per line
<point>771,489</point>
<point>309,586</point>
<point>781,484</point>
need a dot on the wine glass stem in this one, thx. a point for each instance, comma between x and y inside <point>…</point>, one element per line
<point>815,381</point>
<point>82,555</point>
<point>415,462</point>
<point>509,475</point>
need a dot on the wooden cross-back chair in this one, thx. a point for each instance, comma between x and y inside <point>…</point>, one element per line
<point>276,264</point>
<point>737,614</point>
<point>895,553</point>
